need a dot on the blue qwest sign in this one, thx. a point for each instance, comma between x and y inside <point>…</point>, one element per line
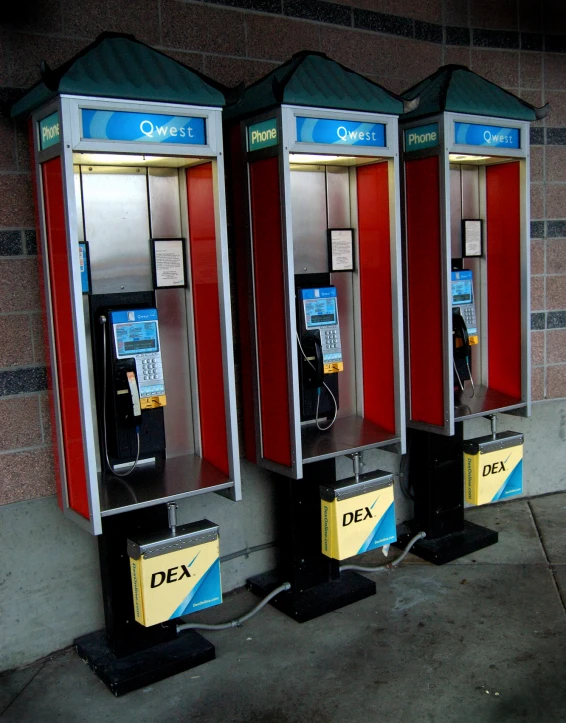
<point>339,132</point>
<point>473,134</point>
<point>142,127</point>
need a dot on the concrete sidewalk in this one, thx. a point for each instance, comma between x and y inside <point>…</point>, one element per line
<point>482,639</point>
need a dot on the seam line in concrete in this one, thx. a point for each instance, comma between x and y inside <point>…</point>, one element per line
<point>33,677</point>
<point>551,567</point>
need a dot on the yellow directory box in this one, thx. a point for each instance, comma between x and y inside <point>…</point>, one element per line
<point>493,467</point>
<point>357,515</point>
<point>174,575</point>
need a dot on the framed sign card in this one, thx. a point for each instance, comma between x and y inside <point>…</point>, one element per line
<point>472,237</point>
<point>168,262</point>
<point>340,249</point>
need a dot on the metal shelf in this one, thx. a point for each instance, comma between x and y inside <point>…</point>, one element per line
<point>160,482</point>
<point>485,401</point>
<point>347,435</point>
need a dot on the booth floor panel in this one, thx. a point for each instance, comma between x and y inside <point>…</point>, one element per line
<point>347,435</point>
<point>156,483</point>
<point>485,401</point>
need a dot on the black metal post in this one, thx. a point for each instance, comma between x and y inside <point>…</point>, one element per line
<point>317,586</point>
<point>126,655</point>
<point>436,475</point>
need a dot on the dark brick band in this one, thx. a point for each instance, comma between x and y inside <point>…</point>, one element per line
<point>319,10</point>
<point>383,23</point>
<point>23,381</point>
<point>11,243</point>
<point>264,6</point>
<point>541,320</point>
<point>336,14</point>
<point>495,39</point>
<point>458,36</point>
<point>18,243</point>
<point>548,229</point>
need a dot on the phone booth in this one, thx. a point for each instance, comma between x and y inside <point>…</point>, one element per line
<point>316,213</point>
<point>127,144</point>
<point>467,285</point>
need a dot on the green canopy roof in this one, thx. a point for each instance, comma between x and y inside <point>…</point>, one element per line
<point>313,79</point>
<point>119,66</point>
<point>456,89</point>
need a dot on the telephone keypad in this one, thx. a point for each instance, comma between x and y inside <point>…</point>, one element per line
<point>469,315</point>
<point>330,339</point>
<point>150,375</point>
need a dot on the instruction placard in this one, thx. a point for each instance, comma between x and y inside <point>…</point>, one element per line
<point>341,249</point>
<point>169,263</point>
<point>472,237</point>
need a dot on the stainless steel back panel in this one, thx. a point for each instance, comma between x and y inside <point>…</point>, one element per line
<point>338,197</point>
<point>117,228</point>
<point>471,209</point>
<point>164,202</point>
<point>308,204</point>
<point>456,211</point>
<point>465,203</point>
<point>178,413</point>
<point>338,214</point>
<point>470,192</point>
<point>79,203</point>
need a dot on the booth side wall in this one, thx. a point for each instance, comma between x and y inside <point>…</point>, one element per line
<point>50,588</point>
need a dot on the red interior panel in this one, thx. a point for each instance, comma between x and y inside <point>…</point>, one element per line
<point>424,261</point>
<point>202,231</point>
<point>375,291</point>
<point>270,310</point>
<point>41,284</point>
<point>241,220</point>
<point>64,336</point>
<point>504,277</point>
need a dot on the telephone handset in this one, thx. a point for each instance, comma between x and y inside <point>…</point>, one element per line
<point>127,406</point>
<point>321,349</point>
<point>464,325</point>
<point>462,348</point>
<point>312,347</point>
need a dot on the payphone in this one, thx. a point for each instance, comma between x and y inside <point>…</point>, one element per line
<point>464,326</point>
<point>314,154</point>
<point>132,388</point>
<point>318,273</point>
<point>467,237</point>
<point>132,222</point>
<point>134,251</point>
<point>321,351</point>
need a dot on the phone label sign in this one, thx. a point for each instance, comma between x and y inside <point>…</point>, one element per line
<point>263,135</point>
<point>474,134</point>
<point>142,127</point>
<point>327,131</point>
<point>416,139</point>
<point>49,131</point>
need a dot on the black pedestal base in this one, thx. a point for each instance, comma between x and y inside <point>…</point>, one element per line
<point>316,601</point>
<point>122,675</point>
<point>453,546</point>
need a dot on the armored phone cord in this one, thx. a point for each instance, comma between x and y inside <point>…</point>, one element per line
<point>135,464</point>
<point>387,565</point>
<point>460,383</point>
<point>322,429</point>
<point>473,394</point>
<point>456,371</point>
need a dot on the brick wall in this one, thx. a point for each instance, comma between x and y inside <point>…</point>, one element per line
<point>519,44</point>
